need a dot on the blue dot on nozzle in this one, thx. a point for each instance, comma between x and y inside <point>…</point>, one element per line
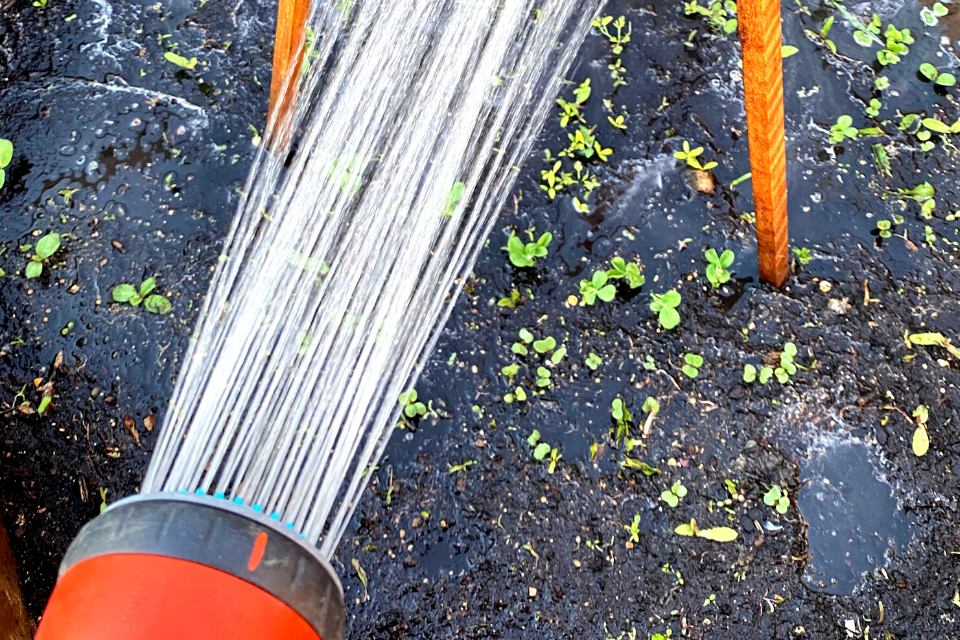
<point>219,495</point>
<point>238,500</point>
<point>182,491</point>
<point>275,516</point>
<point>257,508</point>
<point>289,525</point>
<point>201,492</point>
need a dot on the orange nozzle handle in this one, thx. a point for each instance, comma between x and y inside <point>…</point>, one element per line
<point>144,597</point>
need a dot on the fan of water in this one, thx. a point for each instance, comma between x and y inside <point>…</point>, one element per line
<point>347,253</point>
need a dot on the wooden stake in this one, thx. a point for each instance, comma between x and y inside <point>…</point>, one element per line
<point>759,23</point>
<point>287,58</point>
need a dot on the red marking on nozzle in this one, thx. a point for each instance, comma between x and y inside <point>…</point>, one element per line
<point>256,555</point>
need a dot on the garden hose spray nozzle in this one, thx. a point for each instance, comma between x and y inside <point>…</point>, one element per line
<point>192,567</point>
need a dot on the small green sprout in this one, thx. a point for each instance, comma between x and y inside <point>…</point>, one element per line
<point>803,255</point>
<point>932,74</point>
<point>921,437</point>
<point>720,15</point>
<point>520,348</point>
<point>593,361</point>
<point>46,247</point>
<point>690,156</point>
<point>717,265</point>
<point>411,407</point>
<point>543,377</point>
<point>616,41</point>
<point>510,371</point>
<point>620,268</point>
<point>843,129</point>
<point>634,528</point>
<point>787,367</point>
<point>674,494</point>
<point>525,255</point>
<point>749,373</point>
<point>127,293</point>
<point>873,109</point>
<point>597,287</point>
<point>454,196</point>
<point>717,534</point>
<point>514,301</point>
<point>545,345</point>
<point>692,365</point>
<point>777,498</point>
<point>883,228</point>
<point>518,395</point>
<point>180,61</point>
<point>6,155</point>
<point>463,466</point>
<point>931,15</point>
<point>572,110</point>
<point>621,415</point>
<point>541,450</point>
<point>665,306</point>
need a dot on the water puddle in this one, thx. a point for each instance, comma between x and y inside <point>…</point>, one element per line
<point>855,524</point>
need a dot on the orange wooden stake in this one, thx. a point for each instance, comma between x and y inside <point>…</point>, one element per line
<point>287,58</point>
<point>759,23</point>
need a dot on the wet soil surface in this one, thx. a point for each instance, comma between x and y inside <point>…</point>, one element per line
<point>464,533</point>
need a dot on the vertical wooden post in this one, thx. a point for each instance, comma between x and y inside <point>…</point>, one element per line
<point>288,52</point>
<point>759,24</point>
<point>15,623</point>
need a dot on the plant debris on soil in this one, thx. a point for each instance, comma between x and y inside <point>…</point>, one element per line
<point>723,461</point>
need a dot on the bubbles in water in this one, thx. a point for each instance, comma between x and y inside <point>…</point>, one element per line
<point>854,519</point>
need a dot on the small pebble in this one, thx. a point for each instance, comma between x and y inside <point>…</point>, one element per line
<point>532,592</point>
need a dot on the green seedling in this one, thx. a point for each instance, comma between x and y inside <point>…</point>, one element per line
<point>518,395</point>
<point>525,255</point>
<point>103,499</point>
<point>411,407</point>
<point>46,247</point>
<point>597,287</point>
<point>922,193</point>
<point>514,301</point>
<point>933,340</point>
<point>717,265</point>
<point>180,61</point>
<point>634,528</point>
<point>545,345</point>
<point>6,155</point>
<point>931,15</point>
<point>603,24</point>
<point>717,534</point>
<point>520,348</point>
<point>665,306</point>
<point>743,178</point>
<point>454,196</point>
<point>621,415</point>
<point>463,466</point>
<point>788,50</point>
<point>573,110</point>
<point>873,109</point>
<point>932,74</point>
<point>787,366</point>
<point>620,268</point>
<point>543,377</point>
<point>777,498</point>
<point>510,371</point>
<point>921,437</point>
<point>803,255</point>
<point>541,450</point>
<point>884,229</point>
<point>127,293</point>
<point>638,465</point>
<point>843,129</point>
<point>692,365</point>
<point>881,159</point>
<point>674,494</point>
<point>593,361</point>
<point>618,123</point>
<point>690,157</point>
<point>721,16</point>
<point>881,83</point>
<point>585,145</point>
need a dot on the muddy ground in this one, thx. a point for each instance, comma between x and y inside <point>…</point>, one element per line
<point>137,162</point>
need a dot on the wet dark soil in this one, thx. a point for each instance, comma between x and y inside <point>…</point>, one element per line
<point>504,548</point>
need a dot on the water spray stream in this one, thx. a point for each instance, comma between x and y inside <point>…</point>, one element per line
<point>341,266</point>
